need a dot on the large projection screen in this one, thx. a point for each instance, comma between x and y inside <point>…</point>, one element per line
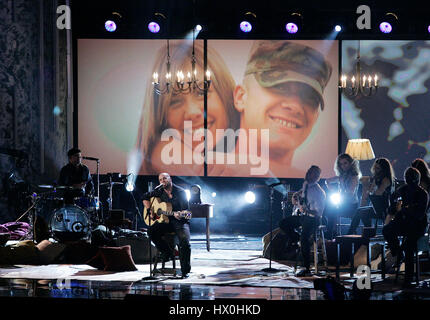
<point>130,129</point>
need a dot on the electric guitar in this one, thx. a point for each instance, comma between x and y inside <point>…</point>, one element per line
<point>160,212</point>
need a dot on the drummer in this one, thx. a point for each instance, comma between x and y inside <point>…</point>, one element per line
<point>77,176</point>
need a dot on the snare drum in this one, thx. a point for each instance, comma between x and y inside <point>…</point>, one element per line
<point>70,223</point>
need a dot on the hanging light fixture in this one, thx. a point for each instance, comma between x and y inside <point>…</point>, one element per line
<point>359,83</point>
<point>181,85</point>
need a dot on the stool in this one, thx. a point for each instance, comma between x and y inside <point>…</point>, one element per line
<point>353,241</point>
<point>422,245</point>
<point>171,240</point>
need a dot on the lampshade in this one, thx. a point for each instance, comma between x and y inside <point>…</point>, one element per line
<point>360,149</point>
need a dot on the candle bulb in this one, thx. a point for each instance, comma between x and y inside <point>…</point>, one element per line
<point>376,79</point>
<point>189,77</point>
<point>369,79</point>
<point>364,81</point>
<point>353,82</point>
<point>155,76</point>
<point>208,75</point>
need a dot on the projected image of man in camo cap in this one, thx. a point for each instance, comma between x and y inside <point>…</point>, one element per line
<point>282,91</point>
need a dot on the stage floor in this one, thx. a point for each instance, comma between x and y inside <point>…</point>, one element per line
<point>233,269</point>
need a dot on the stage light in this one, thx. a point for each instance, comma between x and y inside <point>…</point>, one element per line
<point>291,27</point>
<point>213,194</point>
<point>110,25</point>
<point>188,194</point>
<point>248,22</point>
<point>294,23</point>
<point>154,27</point>
<point>157,22</point>
<point>250,197</point>
<point>385,27</point>
<point>112,21</point>
<point>428,28</point>
<point>388,23</point>
<point>199,27</point>
<point>129,186</point>
<point>245,26</point>
<point>335,198</point>
<point>338,28</point>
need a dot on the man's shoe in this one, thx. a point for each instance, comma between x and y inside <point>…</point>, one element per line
<point>304,273</point>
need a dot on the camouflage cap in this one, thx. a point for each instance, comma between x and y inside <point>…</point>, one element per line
<point>274,62</point>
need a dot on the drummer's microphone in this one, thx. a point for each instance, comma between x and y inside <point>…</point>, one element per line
<point>90,158</point>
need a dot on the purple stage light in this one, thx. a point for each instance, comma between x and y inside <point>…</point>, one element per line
<point>428,29</point>
<point>291,27</point>
<point>110,26</point>
<point>385,27</point>
<point>245,26</point>
<point>154,27</point>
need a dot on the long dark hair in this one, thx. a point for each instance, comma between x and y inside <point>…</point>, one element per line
<point>386,171</point>
<point>423,168</point>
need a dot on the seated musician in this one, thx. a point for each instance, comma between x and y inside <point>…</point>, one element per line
<point>346,181</point>
<point>77,176</point>
<point>409,212</point>
<point>309,203</point>
<point>380,184</point>
<point>171,193</point>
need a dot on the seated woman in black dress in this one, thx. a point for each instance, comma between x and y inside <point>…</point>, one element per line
<point>346,183</point>
<point>380,184</point>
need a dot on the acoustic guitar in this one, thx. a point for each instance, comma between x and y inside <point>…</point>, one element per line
<point>160,212</point>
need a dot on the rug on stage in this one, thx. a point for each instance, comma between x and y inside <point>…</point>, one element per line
<point>217,267</point>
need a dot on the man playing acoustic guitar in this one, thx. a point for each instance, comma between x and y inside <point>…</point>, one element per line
<point>176,196</point>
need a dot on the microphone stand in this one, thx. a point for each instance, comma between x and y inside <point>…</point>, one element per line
<point>270,269</point>
<point>151,275</point>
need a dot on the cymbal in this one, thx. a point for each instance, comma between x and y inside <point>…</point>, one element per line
<point>45,186</point>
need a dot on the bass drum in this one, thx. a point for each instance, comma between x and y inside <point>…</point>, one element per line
<point>70,223</point>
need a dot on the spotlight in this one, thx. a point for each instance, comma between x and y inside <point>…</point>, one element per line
<point>245,26</point>
<point>157,22</point>
<point>291,27</point>
<point>129,186</point>
<point>199,27</point>
<point>213,194</point>
<point>389,23</point>
<point>111,24</point>
<point>294,23</point>
<point>247,22</point>
<point>154,27</point>
<point>338,28</point>
<point>250,197</point>
<point>188,194</point>
<point>335,198</point>
<point>428,28</point>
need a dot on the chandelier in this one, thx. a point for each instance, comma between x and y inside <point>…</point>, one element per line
<point>180,84</point>
<point>359,83</point>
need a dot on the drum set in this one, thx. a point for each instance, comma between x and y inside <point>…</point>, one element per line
<point>63,220</point>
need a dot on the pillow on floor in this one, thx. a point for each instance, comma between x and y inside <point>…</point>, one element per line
<point>113,259</point>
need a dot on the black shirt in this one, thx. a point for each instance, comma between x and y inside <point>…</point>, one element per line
<point>179,198</point>
<point>414,204</point>
<point>70,175</point>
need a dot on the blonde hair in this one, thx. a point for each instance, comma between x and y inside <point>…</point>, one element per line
<point>155,107</point>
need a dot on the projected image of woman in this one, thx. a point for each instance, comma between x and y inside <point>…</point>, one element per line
<point>173,111</point>
<point>346,184</point>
